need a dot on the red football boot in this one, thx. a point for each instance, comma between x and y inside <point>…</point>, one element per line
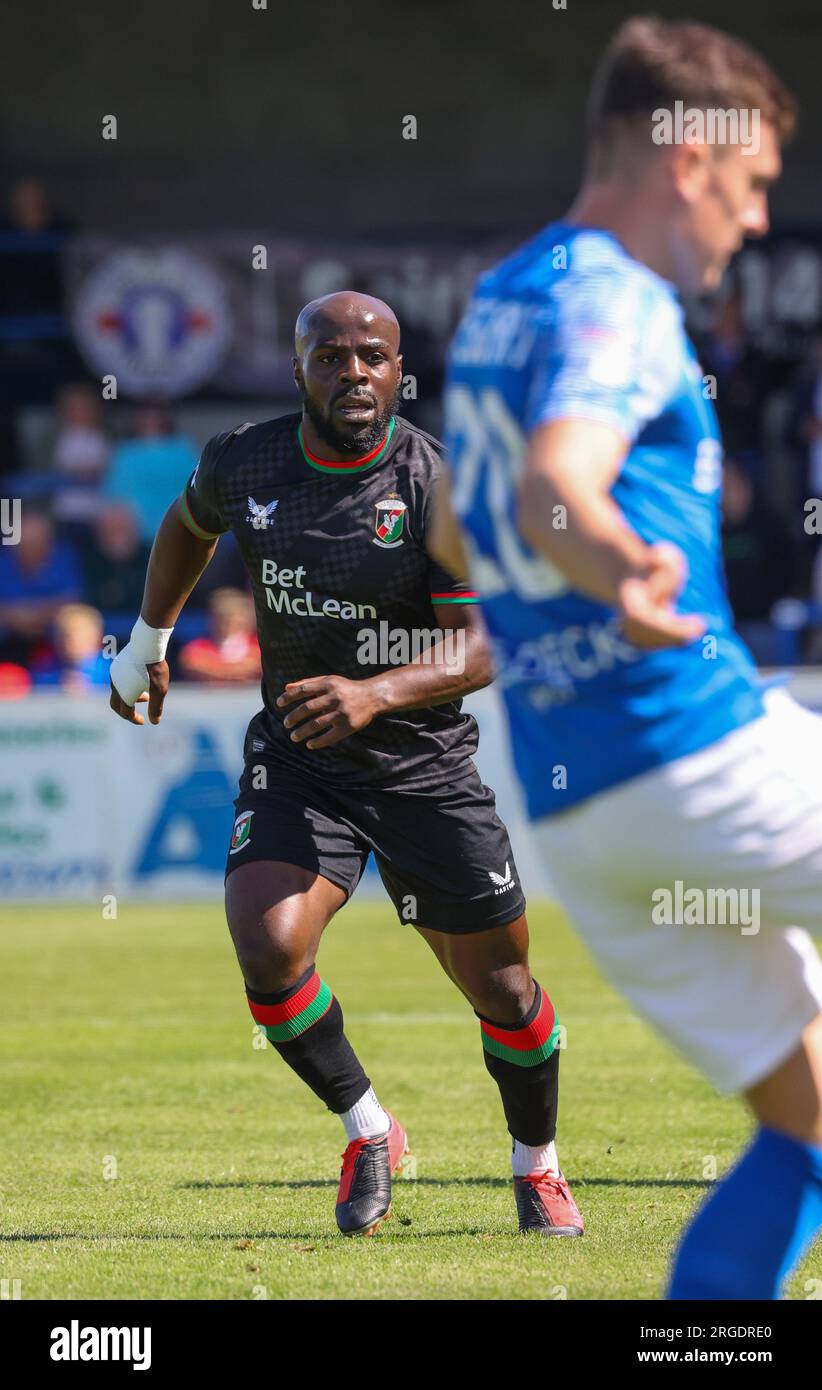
<point>545,1205</point>
<point>364,1198</point>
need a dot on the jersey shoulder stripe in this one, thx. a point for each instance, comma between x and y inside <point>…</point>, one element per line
<point>456,595</point>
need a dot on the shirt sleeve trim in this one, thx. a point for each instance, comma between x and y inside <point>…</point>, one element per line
<point>188,520</point>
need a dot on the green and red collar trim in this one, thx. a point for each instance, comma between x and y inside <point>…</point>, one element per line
<point>357,466</point>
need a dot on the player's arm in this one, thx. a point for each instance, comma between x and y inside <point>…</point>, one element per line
<point>570,467</point>
<point>184,544</point>
<point>453,667</point>
<point>445,540</point>
<point>323,710</point>
<point>139,672</point>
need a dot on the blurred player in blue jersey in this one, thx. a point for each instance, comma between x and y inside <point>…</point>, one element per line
<point>587,473</point>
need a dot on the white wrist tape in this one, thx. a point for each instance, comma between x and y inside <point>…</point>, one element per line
<point>146,645</point>
<point>149,643</point>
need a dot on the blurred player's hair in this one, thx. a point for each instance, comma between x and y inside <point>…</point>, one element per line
<point>651,63</point>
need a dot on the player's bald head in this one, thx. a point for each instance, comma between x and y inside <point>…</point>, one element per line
<point>348,370</point>
<point>344,312</point>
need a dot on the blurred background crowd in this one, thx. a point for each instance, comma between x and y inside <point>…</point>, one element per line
<point>95,476</point>
<point>95,470</point>
<point>130,262</point>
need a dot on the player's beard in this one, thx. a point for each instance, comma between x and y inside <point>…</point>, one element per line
<point>358,442</point>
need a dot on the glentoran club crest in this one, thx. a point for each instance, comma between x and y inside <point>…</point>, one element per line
<point>390,521</point>
<point>242,831</point>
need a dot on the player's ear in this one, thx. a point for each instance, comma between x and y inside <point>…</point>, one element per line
<point>399,366</point>
<point>299,381</point>
<point>690,166</point>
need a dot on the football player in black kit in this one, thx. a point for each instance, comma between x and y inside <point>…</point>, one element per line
<point>353,753</point>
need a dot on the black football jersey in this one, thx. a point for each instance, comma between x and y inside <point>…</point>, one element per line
<point>333,551</point>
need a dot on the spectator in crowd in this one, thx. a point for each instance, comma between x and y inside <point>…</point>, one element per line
<point>230,654</point>
<point>805,423</point>
<point>226,570</point>
<point>151,468</point>
<point>37,576</point>
<point>39,353</point>
<point>742,377</point>
<point>813,645</point>
<point>115,560</point>
<point>759,554</point>
<point>80,455</point>
<point>10,457</point>
<point>30,267</point>
<point>76,663</point>
<point>15,681</point>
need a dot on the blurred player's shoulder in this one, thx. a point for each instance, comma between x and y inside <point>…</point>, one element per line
<point>564,259</point>
<point>568,291</point>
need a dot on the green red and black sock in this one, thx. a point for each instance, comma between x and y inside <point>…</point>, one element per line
<point>305,1025</point>
<point>523,1059</point>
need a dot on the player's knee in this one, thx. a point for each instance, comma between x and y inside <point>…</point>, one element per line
<point>790,1098</point>
<point>271,966</point>
<point>502,995</point>
<point>274,936</point>
<point>271,950</point>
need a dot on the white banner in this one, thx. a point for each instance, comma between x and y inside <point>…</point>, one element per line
<point>91,806</point>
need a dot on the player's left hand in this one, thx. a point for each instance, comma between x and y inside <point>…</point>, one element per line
<point>327,709</point>
<point>647,605</point>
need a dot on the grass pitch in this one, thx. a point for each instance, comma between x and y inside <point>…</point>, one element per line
<point>151,1150</point>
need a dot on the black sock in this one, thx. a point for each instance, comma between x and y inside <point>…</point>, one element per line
<point>523,1059</point>
<point>305,1025</point>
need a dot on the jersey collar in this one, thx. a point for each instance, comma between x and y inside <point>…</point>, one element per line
<point>360,465</point>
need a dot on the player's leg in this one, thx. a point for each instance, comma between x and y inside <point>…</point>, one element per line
<point>277,913</point>
<point>743,1006</point>
<point>733,1243</point>
<point>277,910</point>
<point>446,861</point>
<point>491,970</point>
<point>520,1040</point>
<point>729,1244</point>
<point>790,1098</point>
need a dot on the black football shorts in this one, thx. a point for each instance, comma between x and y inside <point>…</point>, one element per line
<point>443,855</point>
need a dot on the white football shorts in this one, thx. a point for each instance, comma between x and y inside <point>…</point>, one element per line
<point>696,885</point>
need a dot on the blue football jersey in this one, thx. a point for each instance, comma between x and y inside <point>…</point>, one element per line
<point>570,326</point>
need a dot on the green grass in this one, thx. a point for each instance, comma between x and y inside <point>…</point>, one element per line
<point>131,1040</point>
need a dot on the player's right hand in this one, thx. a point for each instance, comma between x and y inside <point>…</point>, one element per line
<point>133,683</point>
<point>647,604</point>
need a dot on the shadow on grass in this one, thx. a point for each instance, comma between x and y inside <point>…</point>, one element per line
<point>578,1183</point>
<point>397,1226</point>
<point>330,1239</point>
